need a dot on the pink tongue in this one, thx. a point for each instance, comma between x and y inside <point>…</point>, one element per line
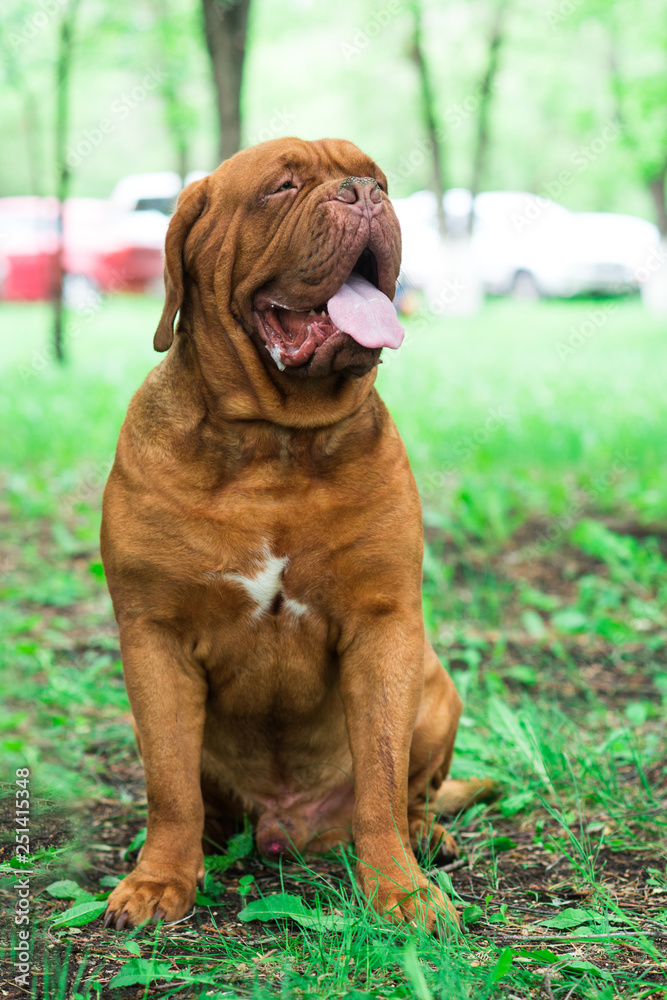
<point>360,309</point>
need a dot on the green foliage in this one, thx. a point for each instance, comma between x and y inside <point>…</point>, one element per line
<point>239,846</point>
<point>66,889</point>
<point>546,599</point>
<point>80,914</point>
<point>414,972</point>
<point>472,914</point>
<point>283,906</point>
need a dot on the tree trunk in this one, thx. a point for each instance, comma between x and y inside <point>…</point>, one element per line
<point>486,97</point>
<point>657,189</point>
<point>183,158</point>
<point>428,112</point>
<point>225,23</point>
<point>63,173</point>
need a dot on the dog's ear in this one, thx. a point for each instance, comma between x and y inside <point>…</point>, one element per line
<point>191,202</point>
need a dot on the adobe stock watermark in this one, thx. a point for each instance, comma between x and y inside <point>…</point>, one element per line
<point>582,332</point>
<point>91,483</point>
<point>449,292</point>
<point>497,417</point>
<point>37,21</point>
<point>441,303</point>
<point>223,7</point>
<point>561,11</point>
<point>420,154</point>
<point>580,160</point>
<point>274,128</point>
<point>373,27</point>
<point>455,115</point>
<point>561,525</point>
<point>119,109</point>
<point>22,884</point>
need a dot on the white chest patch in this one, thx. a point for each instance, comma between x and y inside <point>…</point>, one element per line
<point>266,584</point>
<point>295,607</point>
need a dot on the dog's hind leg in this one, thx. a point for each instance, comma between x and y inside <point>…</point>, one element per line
<point>430,792</point>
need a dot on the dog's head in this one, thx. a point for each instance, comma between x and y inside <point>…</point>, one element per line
<point>298,243</point>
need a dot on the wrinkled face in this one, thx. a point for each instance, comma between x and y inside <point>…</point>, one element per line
<point>317,256</point>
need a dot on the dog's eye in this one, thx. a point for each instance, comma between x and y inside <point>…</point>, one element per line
<point>284,187</point>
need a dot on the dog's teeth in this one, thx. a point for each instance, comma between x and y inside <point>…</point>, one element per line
<point>312,312</point>
<point>323,313</point>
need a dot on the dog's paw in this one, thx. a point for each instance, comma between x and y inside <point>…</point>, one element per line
<point>432,841</point>
<point>424,904</point>
<point>144,896</point>
<point>403,894</point>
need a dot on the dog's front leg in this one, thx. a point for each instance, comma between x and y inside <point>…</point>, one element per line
<point>167,693</point>
<point>382,678</point>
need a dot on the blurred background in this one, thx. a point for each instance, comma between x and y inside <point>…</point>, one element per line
<point>525,142</point>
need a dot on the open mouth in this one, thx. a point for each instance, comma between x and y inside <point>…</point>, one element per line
<point>367,267</point>
<point>292,337</point>
<point>358,309</point>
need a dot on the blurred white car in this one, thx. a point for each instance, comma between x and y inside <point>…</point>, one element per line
<point>525,245</point>
<point>613,251</point>
<point>419,234</point>
<point>531,246</point>
<point>156,192</point>
<point>522,244</point>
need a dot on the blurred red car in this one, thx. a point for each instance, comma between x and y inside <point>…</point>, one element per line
<point>105,249</point>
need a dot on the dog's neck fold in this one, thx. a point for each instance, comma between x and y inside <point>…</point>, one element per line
<point>237,386</point>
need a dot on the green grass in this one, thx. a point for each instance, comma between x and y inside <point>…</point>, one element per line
<point>542,470</point>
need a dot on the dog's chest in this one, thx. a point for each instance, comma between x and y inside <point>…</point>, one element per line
<point>262,584</point>
<point>266,638</point>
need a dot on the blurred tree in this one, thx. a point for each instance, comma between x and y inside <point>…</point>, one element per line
<point>427,98</point>
<point>634,61</point>
<point>172,29</point>
<point>486,92</point>
<point>225,24</point>
<point>638,75</point>
<point>64,58</point>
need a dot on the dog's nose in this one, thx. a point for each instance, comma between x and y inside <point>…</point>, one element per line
<point>361,193</point>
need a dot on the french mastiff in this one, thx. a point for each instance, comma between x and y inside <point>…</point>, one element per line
<point>262,541</point>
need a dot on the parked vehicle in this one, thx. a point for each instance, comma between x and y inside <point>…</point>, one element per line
<point>524,245</point>
<point>105,248</point>
<point>28,245</point>
<point>151,192</point>
<point>530,246</point>
<point>115,250</point>
<point>147,192</point>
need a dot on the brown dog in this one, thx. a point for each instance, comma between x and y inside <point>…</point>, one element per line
<point>262,541</point>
